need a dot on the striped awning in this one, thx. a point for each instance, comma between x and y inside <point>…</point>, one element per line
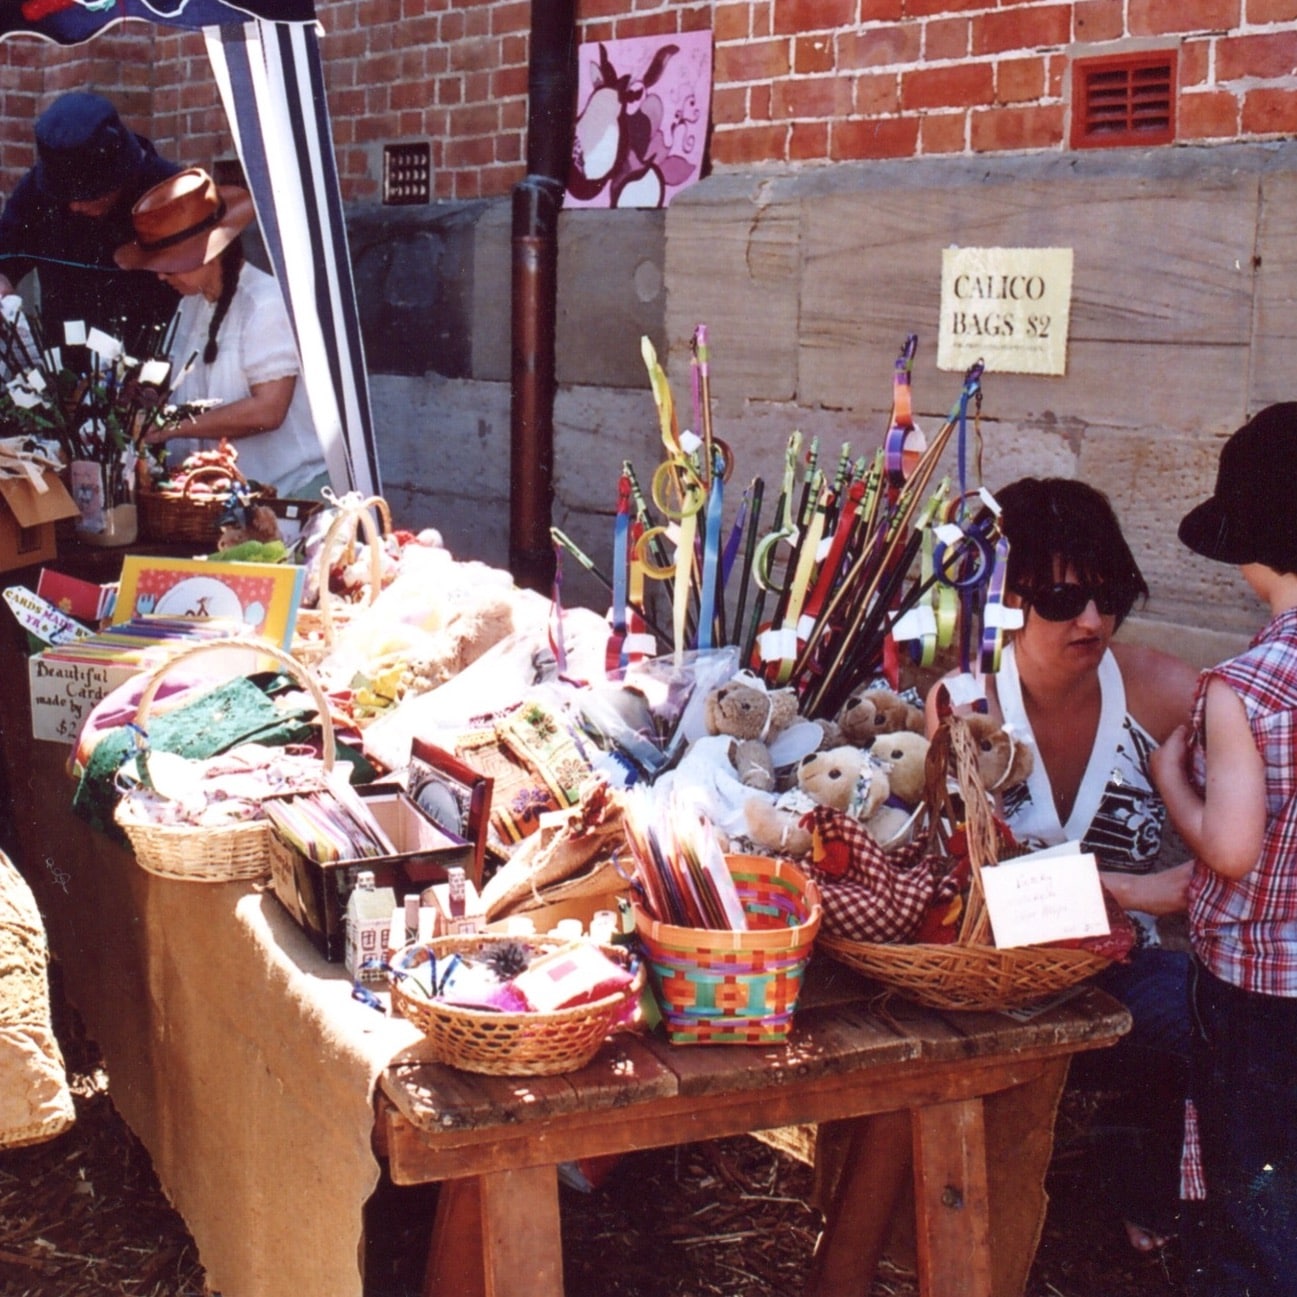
<point>265,57</point>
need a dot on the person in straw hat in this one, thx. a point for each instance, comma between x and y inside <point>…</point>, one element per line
<point>231,333</point>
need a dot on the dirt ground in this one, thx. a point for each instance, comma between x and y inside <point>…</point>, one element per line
<point>82,1216</point>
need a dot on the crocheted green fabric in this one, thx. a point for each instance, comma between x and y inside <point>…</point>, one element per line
<point>238,711</point>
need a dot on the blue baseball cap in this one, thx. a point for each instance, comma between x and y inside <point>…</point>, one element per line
<point>83,151</point>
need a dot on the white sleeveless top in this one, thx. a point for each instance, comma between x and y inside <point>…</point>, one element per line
<point>1117,814</point>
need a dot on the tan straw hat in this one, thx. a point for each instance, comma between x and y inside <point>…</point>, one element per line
<point>184,222</point>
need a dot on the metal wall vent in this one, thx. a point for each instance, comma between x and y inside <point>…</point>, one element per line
<point>407,174</point>
<point>1123,101</point>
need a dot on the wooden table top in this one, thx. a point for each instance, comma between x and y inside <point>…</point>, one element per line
<point>845,1040</point>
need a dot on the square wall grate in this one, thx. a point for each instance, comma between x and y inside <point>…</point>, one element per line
<point>407,173</point>
<point>1124,101</point>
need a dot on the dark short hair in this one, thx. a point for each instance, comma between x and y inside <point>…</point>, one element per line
<point>1049,519</point>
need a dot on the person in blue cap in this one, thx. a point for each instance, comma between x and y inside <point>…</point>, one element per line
<point>70,212</point>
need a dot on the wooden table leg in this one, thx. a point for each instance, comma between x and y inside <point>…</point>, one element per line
<point>951,1203</point>
<point>521,1240</point>
<point>858,1219</point>
<point>454,1270</point>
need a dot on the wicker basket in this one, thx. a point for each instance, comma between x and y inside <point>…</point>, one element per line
<point>958,976</point>
<point>229,853</point>
<point>186,517</point>
<point>737,988</point>
<point>968,973</point>
<point>509,1044</point>
<point>315,631</point>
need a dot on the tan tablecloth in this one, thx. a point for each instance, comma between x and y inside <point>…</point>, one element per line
<point>234,1052</point>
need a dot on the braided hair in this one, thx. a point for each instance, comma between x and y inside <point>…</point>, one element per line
<point>231,264</point>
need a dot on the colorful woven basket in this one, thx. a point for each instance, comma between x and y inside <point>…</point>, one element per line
<point>736,988</point>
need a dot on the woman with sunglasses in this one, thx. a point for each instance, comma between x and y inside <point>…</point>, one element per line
<point>1094,710</point>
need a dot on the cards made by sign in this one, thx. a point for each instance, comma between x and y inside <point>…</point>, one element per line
<point>1050,895</point>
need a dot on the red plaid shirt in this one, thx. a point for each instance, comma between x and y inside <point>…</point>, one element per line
<point>1245,931</point>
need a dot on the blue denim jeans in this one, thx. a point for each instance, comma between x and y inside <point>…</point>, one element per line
<point>1138,1131</point>
<point>1242,1240</point>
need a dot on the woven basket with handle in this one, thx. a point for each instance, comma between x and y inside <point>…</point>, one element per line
<point>316,629</point>
<point>509,1044</point>
<point>192,514</point>
<point>227,853</point>
<point>970,973</point>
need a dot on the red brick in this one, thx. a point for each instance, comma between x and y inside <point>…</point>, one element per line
<point>1165,17</point>
<point>940,8</point>
<point>477,87</point>
<point>1018,29</point>
<point>947,39</point>
<point>793,16</point>
<point>1269,111</point>
<point>947,87</point>
<point>729,103</point>
<point>881,11</point>
<point>745,145</point>
<point>1273,55</point>
<point>997,130</point>
<point>880,46</point>
<point>732,22</point>
<point>1098,20</point>
<point>876,95</point>
<point>1018,80</point>
<point>602,9</point>
<point>507,19</point>
<point>760,101</point>
<point>592,32</point>
<point>757,61</point>
<point>811,97</point>
<point>449,91</point>
<point>1258,12</point>
<point>644,25</point>
<point>880,137</point>
<point>813,54</point>
<point>1195,62</point>
<point>1207,115</point>
<point>943,133</point>
<point>473,119</point>
<point>464,152</point>
<point>809,142</point>
<point>509,81</point>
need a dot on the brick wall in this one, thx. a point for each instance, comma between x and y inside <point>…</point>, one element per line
<point>797,81</point>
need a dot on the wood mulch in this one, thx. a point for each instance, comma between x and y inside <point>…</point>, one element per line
<point>82,1216</point>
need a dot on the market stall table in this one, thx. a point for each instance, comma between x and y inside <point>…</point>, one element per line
<point>943,1087</point>
<point>259,1086</point>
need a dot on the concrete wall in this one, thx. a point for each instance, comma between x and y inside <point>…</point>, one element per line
<point>1184,309</point>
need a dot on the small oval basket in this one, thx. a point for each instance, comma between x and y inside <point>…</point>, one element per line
<point>509,1044</point>
<point>737,988</point>
<point>226,853</point>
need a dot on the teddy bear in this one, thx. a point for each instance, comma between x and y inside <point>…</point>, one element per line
<point>871,712</point>
<point>1003,759</point>
<point>904,755</point>
<point>844,779</point>
<point>754,718</point>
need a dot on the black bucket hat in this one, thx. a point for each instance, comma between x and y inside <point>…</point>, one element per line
<point>1252,515</point>
<point>83,151</point>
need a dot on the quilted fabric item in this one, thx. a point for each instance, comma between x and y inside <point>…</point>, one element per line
<point>35,1103</point>
<point>870,894</point>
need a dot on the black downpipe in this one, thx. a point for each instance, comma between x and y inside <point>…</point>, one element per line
<point>537,200</point>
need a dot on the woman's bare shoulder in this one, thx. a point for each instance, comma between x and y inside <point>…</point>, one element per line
<point>1159,687</point>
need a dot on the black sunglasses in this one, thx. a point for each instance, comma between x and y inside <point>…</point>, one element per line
<point>1068,600</point>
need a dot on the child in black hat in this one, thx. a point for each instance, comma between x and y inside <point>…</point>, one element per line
<point>71,211</point>
<point>1229,780</point>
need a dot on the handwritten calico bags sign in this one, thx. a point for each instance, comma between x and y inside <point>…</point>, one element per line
<point>1009,307</point>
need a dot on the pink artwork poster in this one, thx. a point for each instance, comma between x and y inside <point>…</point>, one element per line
<point>642,118</point>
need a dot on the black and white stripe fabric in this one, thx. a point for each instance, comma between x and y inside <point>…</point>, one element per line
<point>269,75</point>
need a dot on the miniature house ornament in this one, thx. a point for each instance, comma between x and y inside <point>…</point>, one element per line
<point>369,919</point>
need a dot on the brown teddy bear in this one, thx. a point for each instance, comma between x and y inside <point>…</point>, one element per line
<point>843,778</point>
<point>1003,760</point>
<point>904,755</point>
<point>871,712</point>
<point>754,718</point>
